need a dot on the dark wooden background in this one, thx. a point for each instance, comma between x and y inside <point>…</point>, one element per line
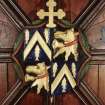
<point>73,8</point>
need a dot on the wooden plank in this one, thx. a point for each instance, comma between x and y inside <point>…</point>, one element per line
<point>102,82</point>
<point>12,76</point>
<point>91,78</point>
<point>5,55</point>
<point>72,7</point>
<point>3,80</point>
<point>8,32</point>
<point>12,94</point>
<point>68,99</point>
<point>31,98</point>
<point>17,17</point>
<point>98,57</point>
<point>31,7</point>
<point>77,7</point>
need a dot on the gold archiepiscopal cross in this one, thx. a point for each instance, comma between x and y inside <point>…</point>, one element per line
<point>51,14</point>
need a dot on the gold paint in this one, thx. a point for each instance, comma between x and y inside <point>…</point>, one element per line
<point>64,83</point>
<point>37,38</point>
<point>55,66</point>
<point>40,69</point>
<point>51,14</point>
<point>63,72</point>
<point>26,36</point>
<point>46,34</point>
<point>37,52</point>
<point>41,83</point>
<point>62,33</point>
<point>73,66</point>
<point>68,36</point>
<point>29,78</point>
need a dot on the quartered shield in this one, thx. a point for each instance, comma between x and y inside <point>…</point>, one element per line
<point>52,52</point>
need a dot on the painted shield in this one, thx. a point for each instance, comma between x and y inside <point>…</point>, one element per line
<point>54,59</point>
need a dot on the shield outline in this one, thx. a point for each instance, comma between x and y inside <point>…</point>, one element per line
<point>63,24</point>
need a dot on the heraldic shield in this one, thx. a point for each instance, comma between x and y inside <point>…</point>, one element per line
<point>52,53</point>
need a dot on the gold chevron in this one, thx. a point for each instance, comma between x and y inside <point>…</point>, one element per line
<point>37,38</point>
<point>64,72</point>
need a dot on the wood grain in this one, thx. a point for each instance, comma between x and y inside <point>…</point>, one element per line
<point>3,80</point>
<point>68,99</point>
<point>102,82</point>
<point>91,78</point>
<point>30,7</point>
<point>94,33</point>
<point>72,7</point>
<point>31,99</point>
<point>8,32</point>
<point>12,76</point>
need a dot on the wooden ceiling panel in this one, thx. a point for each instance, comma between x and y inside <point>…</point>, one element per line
<point>8,32</point>
<point>72,7</point>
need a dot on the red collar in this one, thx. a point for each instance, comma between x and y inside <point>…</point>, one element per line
<point>70,43</point>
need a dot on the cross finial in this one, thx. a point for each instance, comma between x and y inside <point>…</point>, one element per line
<point>51,14</point>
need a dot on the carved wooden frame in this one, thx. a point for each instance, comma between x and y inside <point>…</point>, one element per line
<point>19,19</point>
